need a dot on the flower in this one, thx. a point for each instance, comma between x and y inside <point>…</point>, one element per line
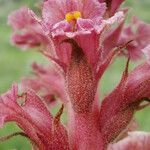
<point>80,44</point>
<point>72,17</point>
<point>47,82</point>
<point>30,33</point>
<point>55,27</point>
<point>137,31</point>
<point>87,26</point>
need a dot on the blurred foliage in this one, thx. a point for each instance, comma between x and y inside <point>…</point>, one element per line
<point>15,64</point>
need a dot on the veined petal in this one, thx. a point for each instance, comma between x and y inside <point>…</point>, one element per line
<point>112,39</point>
<point>63,25</point>
<point>117,18</point>
<point>90,47</point>
<point>53,11</point>
<point>25,41</point>
<point>63,50</point>
<point>85,24</point>
<point>20,19</point>
<point>139,32</point>
<point>30,32</point>
<point>93,9</point>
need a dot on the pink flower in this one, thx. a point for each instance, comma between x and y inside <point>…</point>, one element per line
<point>47,82</point>
<point>72,18</point>
<point>137,31</point>
<point>30,33</point>
<point>69,24</point>
<point>75,20</point>
<point>81,46</point>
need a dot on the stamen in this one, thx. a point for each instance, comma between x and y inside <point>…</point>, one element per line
<point>73,16</point>
<point>77,15</point>
<point>69,17</point>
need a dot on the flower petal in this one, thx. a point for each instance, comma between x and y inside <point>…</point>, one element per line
<point>93,9</point>
<point>20,19</point>
<point>111,41</point>
<point>139,32</point>
<point>117,18</point>
<point>53,11</point>
<point>90,47</point>
<point>27,31</point>
<point>25,41</point>
<point>85,24</point>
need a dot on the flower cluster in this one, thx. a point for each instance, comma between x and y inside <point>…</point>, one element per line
<point>81,38</point>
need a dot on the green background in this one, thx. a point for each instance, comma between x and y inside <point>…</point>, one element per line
<point>15,64</point>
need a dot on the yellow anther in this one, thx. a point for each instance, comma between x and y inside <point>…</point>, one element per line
<point>77,15</point>
<point>69,17</point>
<point>73,16</point>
